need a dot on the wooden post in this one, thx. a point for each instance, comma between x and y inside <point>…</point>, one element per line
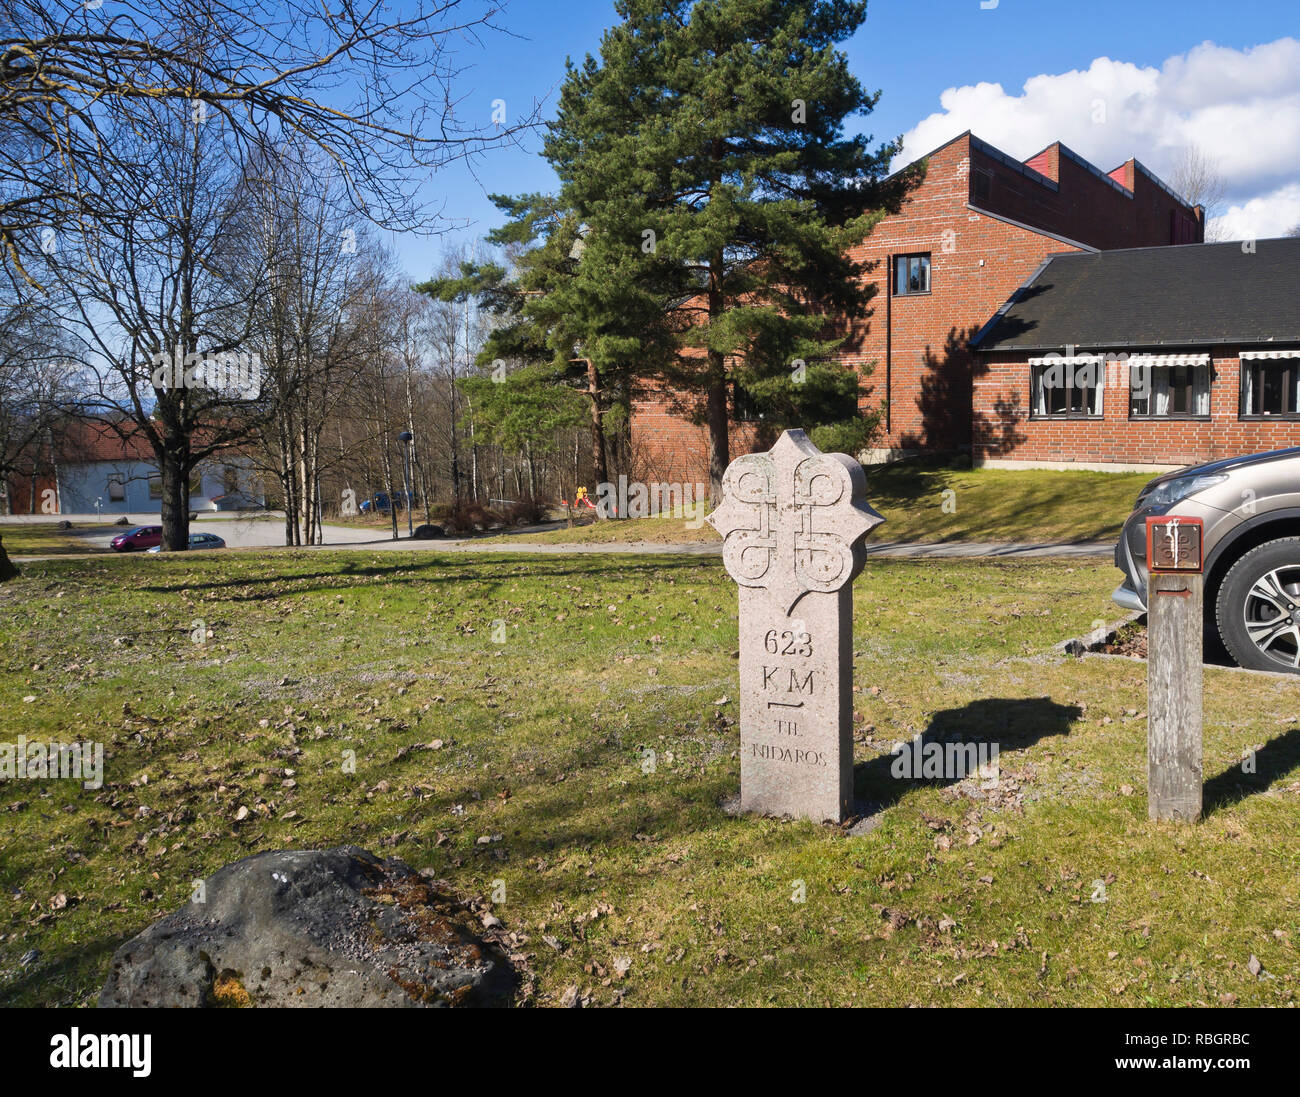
<point>1175,626</point>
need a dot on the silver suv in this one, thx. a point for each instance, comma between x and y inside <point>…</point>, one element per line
<point>1251,509</point>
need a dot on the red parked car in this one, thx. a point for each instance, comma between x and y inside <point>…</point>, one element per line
<point>142,537</point>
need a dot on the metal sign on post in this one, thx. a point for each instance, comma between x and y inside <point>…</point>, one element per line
<point>1175,628</point>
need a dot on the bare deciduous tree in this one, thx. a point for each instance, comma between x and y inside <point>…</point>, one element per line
<point>369,85</point>
<point>84,86</point>
<point>1197,177</point>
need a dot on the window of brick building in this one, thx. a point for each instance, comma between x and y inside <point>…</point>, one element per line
<point>1066,390</point>
<point>117,489</point>
<point>911,274</point>
<point>1270,388</point>
<point>1169,392</point>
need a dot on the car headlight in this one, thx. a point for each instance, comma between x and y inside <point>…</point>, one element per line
<point>1176,490</point>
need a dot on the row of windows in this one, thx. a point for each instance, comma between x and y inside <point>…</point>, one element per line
<point>117,484</point>
<point>1268,390</point>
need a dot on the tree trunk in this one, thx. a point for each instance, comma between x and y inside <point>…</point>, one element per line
<point>719,423</point>
<point>388,487</point>
<point>305,497</point>
<point>455,445</point>
<point>719,437</point>
<point>7,569</point>
<point>599,463</point>
<point>422,478</point>
<point>286,475</point>
<point>175,497</point>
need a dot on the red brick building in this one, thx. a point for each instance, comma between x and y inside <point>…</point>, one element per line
<point>1146,358</point>
<point>974,231</point>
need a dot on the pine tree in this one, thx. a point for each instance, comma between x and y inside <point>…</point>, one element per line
<point>568,306</point>
<point>705,157</point>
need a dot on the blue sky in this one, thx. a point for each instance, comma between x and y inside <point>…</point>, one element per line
<point>1238,102</point>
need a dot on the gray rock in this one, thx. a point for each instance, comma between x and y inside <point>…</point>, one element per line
<point>336,927</point>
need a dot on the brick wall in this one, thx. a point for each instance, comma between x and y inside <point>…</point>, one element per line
<point>1003,430</point>
<point>669,447</point>
<point>912,349</point>
<point>915,345</point>
<point>1125,208</point>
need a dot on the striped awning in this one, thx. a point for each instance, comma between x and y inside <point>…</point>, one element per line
<point>1169,360</point>
<point>1147,360</point>
<point>1286,352</point>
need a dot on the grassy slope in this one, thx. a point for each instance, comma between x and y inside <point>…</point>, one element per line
<point>985,505</point>
<point>952,900</point>
<point>46,539</point>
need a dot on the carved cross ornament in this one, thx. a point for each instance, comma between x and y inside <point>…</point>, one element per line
<point>793,519</point>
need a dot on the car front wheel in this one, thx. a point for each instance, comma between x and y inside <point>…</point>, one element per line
<point>1258,607</point>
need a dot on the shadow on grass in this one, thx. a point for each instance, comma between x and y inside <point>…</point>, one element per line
<point>444,569</point>
<point>68,969</point>
<point>1279,757</point>
<point>1010,723</point>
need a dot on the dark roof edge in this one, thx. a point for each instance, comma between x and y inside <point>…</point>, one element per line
<point>1162,184</point>
<point>1291,240</point>
<point>1030,228</point>
<point>933,152</point>
<point>1014,164</point>
<point>1222,341</point>
<point>983,146</point>
<point>980,145</point>
<point>1089,166</point>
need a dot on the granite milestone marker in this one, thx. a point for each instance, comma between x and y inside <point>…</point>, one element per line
<point>793,521</point>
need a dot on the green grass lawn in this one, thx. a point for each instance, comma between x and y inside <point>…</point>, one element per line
<point>46,539</point>
<point>926,501</point>
<point>526,762</point>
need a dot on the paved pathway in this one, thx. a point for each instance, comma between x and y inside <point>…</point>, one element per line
<point>262,531</point>
<point>874,548</point>
<point>950,550</point>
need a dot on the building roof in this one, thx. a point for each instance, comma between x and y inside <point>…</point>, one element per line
<point>93,441</point>
<point>1027,168</point>
<point>89,441</point>
<point>1189,295</point>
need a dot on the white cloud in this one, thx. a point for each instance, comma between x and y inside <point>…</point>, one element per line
<point>1260,218</point>
<point>1241,107</point>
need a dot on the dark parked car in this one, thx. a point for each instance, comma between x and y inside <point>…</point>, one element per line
<point>142,537</point>
<point>381,502</point>
<point>200,541</point>
<point>1251,510</point>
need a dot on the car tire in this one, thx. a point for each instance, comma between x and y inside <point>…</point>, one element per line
<point>1262,589</point>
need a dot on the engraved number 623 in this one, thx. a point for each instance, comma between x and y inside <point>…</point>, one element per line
<point>787,643</point>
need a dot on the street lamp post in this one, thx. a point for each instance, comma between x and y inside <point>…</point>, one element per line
<point>406,437</point>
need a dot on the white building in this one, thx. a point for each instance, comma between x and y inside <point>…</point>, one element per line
<point>122,476</point>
